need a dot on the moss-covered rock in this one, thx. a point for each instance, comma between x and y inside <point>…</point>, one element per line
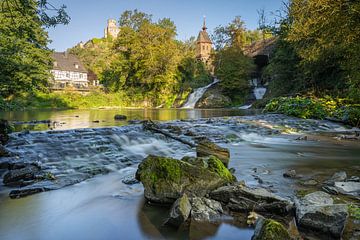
<point>166,179</point>
<point>207,148</point>
<point>268,229</point>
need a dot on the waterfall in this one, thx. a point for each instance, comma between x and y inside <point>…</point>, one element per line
<point>197,94</point>
<point>259,92</point>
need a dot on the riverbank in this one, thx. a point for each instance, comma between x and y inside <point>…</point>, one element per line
<point>262,149</point>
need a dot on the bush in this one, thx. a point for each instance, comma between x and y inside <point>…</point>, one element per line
<point>349,114</point>
<point>302,107</point>
<point>318,108</point>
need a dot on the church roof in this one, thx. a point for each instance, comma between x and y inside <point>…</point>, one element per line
<point>203,37</point>
<point>67,62</point>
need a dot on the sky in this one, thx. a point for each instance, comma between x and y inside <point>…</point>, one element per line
<point>88,17</point>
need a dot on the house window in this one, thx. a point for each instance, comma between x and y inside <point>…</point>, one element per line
<point>203,47</point>
<point>76,66</point>
<point>55,64</point>
<point>68,75</point>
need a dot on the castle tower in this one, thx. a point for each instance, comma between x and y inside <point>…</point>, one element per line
<point>112,29</point>
<point>203,45</point>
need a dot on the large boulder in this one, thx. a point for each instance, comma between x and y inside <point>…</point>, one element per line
<point>207,148</point>
<point>179,212</point>
<point>205,210</point>
<point>239,197</point>
<point>317,212</point>
<point>268,229</point>
<point>166,179</point>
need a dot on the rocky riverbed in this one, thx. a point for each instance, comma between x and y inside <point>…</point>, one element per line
<point>263,149</point>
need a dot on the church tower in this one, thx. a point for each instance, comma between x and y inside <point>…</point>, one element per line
<point>111,29</point>
<point>203,45</point>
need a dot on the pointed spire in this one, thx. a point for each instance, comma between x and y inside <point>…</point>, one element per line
<point>204,25</point>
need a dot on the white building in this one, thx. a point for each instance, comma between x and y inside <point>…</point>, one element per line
<point>68,71</point>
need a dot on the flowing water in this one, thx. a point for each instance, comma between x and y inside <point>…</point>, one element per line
<point>197,94</point>
<point>259,92</point>
<point>101,161</point>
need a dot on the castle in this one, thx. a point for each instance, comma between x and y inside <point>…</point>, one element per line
<point>112,30</point>
<point>204,45</point>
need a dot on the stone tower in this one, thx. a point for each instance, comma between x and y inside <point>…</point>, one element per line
<point>112,29</point>
<point>203,45</point>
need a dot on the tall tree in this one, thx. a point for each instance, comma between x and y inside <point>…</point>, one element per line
<point>326,35</point>
<point>24,56</point>
<point>146,57</point>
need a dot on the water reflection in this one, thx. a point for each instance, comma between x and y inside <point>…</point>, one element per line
<point>151,219</point>
<point>71,119</point>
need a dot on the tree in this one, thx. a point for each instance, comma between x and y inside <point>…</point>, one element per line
<point>233,68</point>
<point>146,58</point>
<point>24,57</point>
<point>42,8</point>
<point>326,35</point>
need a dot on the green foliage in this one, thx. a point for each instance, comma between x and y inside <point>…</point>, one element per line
<point>318,108</point>
<point>96,54</point>
<point>65,100</point>
<point>317,51</point>
<point>236,34</point>
<point>234,70</point>
<point>43,9</point>
<point>349,114</point>
<point>302,107</point>
<point>148,61</point>
<point>24,57</point>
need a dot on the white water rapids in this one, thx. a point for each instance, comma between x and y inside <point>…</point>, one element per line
<point>197,94</point>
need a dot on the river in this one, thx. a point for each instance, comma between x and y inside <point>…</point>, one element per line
<point>262,148</point>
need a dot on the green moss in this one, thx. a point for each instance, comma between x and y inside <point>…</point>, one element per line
<point>354,211</point>
<point>215,165</point>
<point>272,230</point>
<point>164,169</point>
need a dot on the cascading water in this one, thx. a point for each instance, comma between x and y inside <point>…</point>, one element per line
<point>259,92</point>
<point>197,94</point>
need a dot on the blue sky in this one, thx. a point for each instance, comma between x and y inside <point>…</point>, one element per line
<point>88,17</point>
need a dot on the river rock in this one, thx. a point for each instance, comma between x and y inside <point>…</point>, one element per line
<point>239,197</point>
<point>348,188</point>
<point>207,148</point>
<point>205,210</point>
<point>5,130</point>
<point>268,229</point>
<point>337,177</point>
<point>166,179</point>
<point>3,152</point>
<point>290,174</point>
<point>18,177</point>
<point>214,100</point>
<point>354,179</point>
<point>120,117</point>
<point>179,212</point>
<point>317,212</point>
